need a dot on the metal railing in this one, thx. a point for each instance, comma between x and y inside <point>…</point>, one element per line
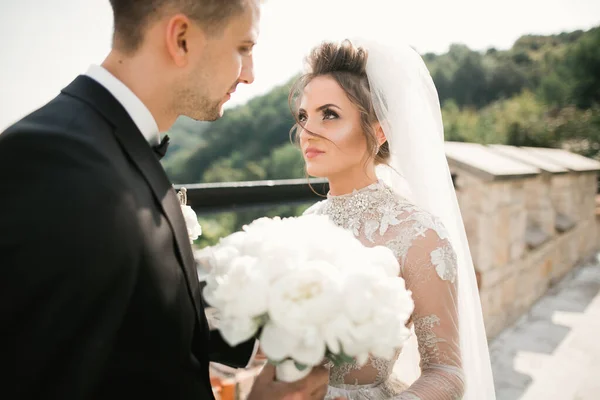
<point>207,198</point>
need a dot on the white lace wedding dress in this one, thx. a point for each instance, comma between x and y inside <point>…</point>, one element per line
<point>377,216</point>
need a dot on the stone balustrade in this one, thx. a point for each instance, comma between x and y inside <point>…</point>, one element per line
<point>530,216</point>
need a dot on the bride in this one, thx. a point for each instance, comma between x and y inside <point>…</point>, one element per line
<point>368,120</point>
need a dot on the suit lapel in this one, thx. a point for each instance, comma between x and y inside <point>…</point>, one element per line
<point>136,147</point>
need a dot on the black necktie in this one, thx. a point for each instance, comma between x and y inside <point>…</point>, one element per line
<point>161,149</point>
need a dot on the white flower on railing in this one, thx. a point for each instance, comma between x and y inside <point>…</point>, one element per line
<point>191,219</point>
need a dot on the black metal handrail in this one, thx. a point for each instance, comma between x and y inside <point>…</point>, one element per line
<point>236,196</point>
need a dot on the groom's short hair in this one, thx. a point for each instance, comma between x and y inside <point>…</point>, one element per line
<point>131,17</point>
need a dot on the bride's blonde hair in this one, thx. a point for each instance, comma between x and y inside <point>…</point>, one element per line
<point>347,64</point>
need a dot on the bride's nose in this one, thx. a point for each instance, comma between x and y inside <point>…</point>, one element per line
<point>306,130</point>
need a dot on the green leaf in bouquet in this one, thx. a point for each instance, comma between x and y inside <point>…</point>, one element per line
<point>301,367</point>
<point>339,359</point>
<point>262,320</point>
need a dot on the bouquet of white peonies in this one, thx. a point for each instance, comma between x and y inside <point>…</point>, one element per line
<point>310,291</point>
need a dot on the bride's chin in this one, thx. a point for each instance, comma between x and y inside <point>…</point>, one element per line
<point>316,170</point>
<point>314,173</point>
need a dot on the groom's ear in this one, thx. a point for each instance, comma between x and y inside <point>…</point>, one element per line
<point>179,35</point>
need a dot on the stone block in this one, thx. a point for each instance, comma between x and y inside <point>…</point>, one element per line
<point>472,231</point>
<point>490,198</point>
<point>501,243</point>
<point>516,191</point>
<point>509,292</point>
<point>518,224</point>
<point>563,222</point>
<point>535,236</point>
<point>494,277</point>
<point>517,250</point>
<point>484,255</point>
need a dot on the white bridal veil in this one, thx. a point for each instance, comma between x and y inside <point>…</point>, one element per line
<point>407,105</point>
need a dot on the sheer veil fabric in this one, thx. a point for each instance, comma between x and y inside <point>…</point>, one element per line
<point>407,106</point>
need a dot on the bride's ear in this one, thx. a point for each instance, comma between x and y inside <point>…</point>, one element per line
<point>379,134</point>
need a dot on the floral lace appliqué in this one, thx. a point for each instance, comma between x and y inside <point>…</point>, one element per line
<point>370,210</point>
<point>428,340</point>
<point>444,260</point>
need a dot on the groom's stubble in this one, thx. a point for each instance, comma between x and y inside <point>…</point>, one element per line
<point>202,92</point>
<point>180,66</point>
<point>196,103</point>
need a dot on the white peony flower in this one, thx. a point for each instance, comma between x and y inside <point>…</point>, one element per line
<point>213,262</point>
<point>306,345</point>
<point>235,240</point>
<point>336,331</point>
<point>395,307</point>
<point>238,330</point>
<point>223,257</point>
<point>360,301</point>
<point>276,342</point>
<point>307,296</point>
<point>277,260</point>
<point>378,308</point>
<point>191,221</point>
<point>241,292</point>
<point>383,257</point>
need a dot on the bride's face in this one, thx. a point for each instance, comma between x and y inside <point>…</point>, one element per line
<point>339,145</point>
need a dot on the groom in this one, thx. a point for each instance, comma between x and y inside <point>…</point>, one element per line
<point>99,297</point>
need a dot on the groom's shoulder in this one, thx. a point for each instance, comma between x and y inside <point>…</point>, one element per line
<point>62,116</point>
<point>62,125</point>
<point>53,146</point>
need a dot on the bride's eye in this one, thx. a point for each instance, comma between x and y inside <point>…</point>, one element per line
<point>301,117</point>
<point>330,114</point>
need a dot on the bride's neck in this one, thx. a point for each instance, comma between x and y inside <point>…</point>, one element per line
<point>345,183</point>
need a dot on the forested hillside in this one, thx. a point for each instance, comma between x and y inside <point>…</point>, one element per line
<point>544,91</point>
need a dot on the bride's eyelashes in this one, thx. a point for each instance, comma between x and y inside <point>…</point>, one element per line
<point>302,116</point>
<point>328,114</point>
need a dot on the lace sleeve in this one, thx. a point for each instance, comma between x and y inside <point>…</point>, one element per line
<point>429,270</point>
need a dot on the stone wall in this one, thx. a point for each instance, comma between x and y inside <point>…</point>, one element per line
<point>525,231</point>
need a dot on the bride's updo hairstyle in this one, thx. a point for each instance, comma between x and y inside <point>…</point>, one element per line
<point>346,64</point>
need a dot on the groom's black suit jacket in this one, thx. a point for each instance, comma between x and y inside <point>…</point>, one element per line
<point>99,298</point>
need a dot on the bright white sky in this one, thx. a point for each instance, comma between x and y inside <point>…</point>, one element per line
<point>46,43</point>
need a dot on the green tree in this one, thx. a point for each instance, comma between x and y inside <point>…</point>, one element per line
<point>285,162</point>
<point>584,62</point>
<point>524,95</point>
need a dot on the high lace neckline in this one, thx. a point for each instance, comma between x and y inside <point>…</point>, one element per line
<point>373,186</point>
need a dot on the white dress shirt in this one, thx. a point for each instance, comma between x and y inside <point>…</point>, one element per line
<point>138,112</point>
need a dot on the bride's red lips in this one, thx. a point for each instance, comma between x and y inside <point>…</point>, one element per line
<point>312,152</point>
